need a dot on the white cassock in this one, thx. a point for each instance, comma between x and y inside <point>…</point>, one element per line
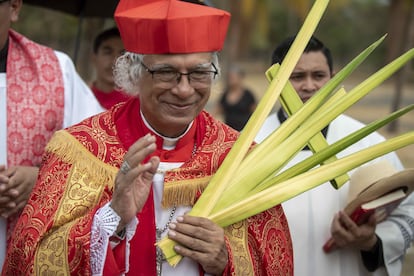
<point>310,215</point>
<point>80,103</point>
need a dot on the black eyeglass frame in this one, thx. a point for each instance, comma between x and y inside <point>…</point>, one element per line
<point>180,74</point>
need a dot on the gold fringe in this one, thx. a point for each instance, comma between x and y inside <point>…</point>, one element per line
<point>70,150</point>
<point>183,192</point>
<point>84,186</point>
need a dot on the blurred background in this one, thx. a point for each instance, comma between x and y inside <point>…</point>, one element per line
<point>257,26</point>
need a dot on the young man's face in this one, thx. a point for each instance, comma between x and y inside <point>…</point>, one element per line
<point>310,74</point>
<point>105,58</point>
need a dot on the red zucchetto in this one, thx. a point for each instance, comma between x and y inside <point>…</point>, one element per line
<point>170,26</point>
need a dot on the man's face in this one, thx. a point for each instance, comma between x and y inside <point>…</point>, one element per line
<point>9,11</point>
<point>170,106</point>
<point>105,58</point>
<point>310,74</point>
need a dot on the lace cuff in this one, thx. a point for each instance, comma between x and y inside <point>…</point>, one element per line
<point>130,232</point>
<point>104,225</point>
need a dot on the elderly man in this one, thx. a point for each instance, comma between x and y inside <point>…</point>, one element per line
<point>116,183</point>
<point>40,92</point>
<point>315,215</point>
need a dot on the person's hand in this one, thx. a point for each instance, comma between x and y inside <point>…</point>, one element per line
<point>201,240</point>
<point>16,184</point>
<point>346,233</point>
<point>133,181</point>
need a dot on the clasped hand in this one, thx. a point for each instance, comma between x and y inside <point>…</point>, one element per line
<point>16,184</point>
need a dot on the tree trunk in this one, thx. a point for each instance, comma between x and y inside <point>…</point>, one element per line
<point>89,29</point>
<point>401,15</point>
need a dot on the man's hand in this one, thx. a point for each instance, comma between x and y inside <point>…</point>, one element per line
<point>347,233</point>
<point>16,184</point>
<point>132,185</point>
<point>201,240</point>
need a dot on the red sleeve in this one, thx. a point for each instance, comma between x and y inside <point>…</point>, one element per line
<point>115,260</point>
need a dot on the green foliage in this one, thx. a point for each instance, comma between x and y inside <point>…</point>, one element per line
<point>349,30</point>
<point>345,31</point>
<point>55,29</point>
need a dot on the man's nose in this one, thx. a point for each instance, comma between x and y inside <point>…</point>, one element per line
<point>309,85</point>
<point>183,88</point>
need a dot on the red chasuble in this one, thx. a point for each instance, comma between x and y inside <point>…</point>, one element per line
<point>77,178</point>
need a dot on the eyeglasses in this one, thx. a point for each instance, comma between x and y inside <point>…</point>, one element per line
<point>170,77</point>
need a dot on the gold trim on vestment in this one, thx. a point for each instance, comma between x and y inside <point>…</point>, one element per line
<point>84,186</point>
<point>52,256</point>
<point>70,150</point>
<point>237,235</point>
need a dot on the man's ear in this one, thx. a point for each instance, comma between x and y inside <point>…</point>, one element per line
<point>15,6</point>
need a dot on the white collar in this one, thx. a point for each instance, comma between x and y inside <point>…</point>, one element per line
<point>169,143</point>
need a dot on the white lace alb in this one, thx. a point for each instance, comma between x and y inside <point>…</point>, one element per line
<point>104,225</point>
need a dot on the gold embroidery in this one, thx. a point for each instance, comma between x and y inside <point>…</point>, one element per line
<point>238,238</point>
<point>85,184</point>
<point>53,253</point>
<point>82,193</point>
<point>70,150</point>
<point>220,147</point>
<point>96,131</point>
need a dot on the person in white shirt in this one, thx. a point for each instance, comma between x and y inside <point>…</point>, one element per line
<point>40,92</point>
<point>315,215</point>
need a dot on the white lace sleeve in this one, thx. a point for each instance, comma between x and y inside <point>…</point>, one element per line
<point>104,225</point>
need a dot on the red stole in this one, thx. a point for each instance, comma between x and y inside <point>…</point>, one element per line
<point>108,100</point>
<point>35,99</point>
<point>142,254</point>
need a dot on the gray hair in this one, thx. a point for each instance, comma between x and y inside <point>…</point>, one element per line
<point>128,70</point>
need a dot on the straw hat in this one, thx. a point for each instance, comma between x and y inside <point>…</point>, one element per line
<point>375,180</point>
